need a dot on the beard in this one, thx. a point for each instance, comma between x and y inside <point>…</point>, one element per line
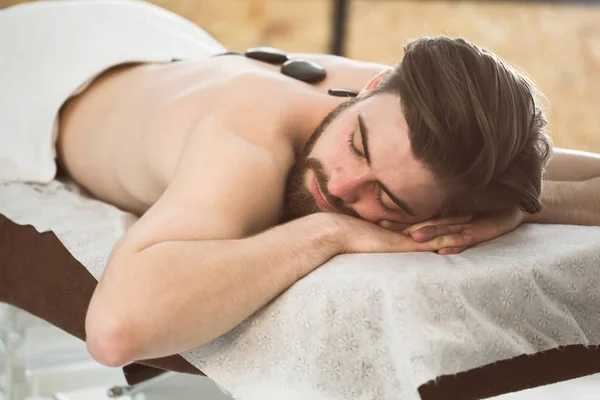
<point>298,199</point>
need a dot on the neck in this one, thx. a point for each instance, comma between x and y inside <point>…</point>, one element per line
<point>309,111</point>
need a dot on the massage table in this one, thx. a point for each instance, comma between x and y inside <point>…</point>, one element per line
<point>38,274</point>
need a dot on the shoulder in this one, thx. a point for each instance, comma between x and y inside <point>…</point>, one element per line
<point>225,173</point>
<point>343,72</point>
<point>330,60</point>
<point>224,187</point>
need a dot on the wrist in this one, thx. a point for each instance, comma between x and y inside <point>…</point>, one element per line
<point>329,231</point>
<point>316,237</point>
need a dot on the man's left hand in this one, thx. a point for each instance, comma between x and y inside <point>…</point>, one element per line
<point>481,229</point>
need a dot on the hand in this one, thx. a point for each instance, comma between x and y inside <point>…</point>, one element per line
<point>359,236</point>
<point>480,230</point>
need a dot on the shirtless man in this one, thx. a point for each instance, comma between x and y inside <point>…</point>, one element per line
<point>246,180</point>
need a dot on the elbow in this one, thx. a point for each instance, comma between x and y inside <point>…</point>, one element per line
<point>110,340</point>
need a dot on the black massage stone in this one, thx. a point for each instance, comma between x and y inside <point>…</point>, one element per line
<point>267,54</point>
<point>306,71</point>
<point>343,92</point>
<point>231,53</point>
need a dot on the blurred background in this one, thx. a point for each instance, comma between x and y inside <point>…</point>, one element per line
<point>556,43</point>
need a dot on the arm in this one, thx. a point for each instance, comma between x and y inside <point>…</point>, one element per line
<point>573,203</point>
<point>572,165</point>
<point>187,270</point>
<point>183,293</point>
<point>571,193</point>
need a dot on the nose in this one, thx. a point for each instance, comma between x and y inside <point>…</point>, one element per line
<point>348,183</point>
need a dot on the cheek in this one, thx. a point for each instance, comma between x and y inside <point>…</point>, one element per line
<point>340,148</point>
<point>331,149</point>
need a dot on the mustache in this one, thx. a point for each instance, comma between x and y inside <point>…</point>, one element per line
<point>322,181</point>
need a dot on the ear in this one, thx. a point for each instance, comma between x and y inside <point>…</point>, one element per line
<point>374,82</point>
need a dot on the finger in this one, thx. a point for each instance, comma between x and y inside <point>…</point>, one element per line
<point>451,250</point>
<point>445,241</point>
<point>401,226</point>
<point>429,232</point>
<point>462,219</point>
<point>440,221</point>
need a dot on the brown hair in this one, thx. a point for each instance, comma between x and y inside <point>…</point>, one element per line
<point>475,122</point>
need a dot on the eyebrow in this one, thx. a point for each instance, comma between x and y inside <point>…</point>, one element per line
<point>364,134</point>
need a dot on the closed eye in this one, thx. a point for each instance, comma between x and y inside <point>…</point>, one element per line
<point>382,206</point>
<point>351,145</point>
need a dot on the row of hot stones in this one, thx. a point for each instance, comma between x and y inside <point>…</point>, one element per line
<point>302,70</point>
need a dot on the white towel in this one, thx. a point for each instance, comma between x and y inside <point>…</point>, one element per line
<point>52,50</point>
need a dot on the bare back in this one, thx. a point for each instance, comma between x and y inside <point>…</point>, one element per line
<point>123,137</point>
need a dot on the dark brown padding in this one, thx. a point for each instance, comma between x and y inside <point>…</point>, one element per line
<point>39,275</point>
<point>515,374</point>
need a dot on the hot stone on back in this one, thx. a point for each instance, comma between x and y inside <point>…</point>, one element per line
<point>306,71</point>
<point>267,54</point>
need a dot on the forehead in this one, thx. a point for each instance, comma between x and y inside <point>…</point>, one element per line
<point>383,118</point>
<point>392,159</point>
<point>388,140</point>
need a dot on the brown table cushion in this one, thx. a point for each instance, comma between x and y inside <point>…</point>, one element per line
<point>39,275</point>
<point>518,373</point>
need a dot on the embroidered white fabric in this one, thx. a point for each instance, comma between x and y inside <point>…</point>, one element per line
<point>371,326</point>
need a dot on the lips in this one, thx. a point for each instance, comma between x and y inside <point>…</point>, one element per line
<point>320,199</point>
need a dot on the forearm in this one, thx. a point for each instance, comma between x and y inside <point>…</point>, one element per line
<point>573,165</point>
<point>573,203</point>
<point>177,295</point>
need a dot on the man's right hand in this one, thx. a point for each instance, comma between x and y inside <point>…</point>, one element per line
<point>359,236</point>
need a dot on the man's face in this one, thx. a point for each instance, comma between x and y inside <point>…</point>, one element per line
<point>359,162</point>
